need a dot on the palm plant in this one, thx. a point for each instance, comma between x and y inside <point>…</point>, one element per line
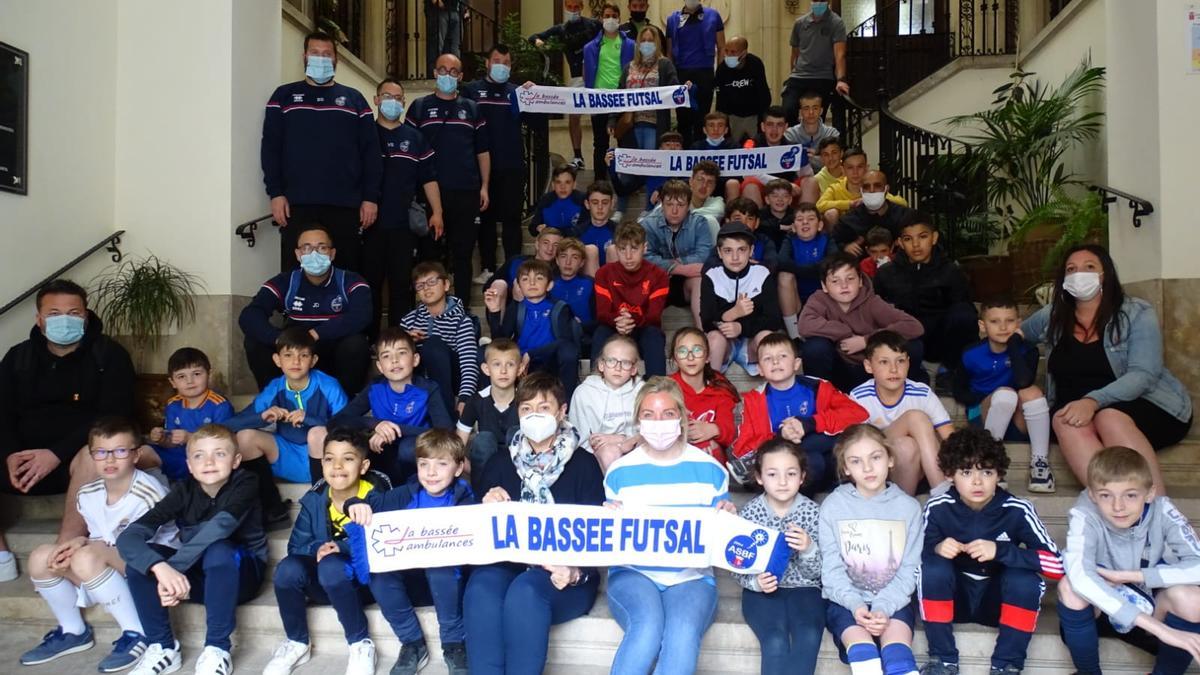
<point>1020,142</point>
<point>142,298</point>
<point>1081,220</point>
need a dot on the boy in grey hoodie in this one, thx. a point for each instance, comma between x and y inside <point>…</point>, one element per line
<point>1134,557</point>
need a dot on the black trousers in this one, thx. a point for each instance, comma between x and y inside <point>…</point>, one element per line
<point>506,189</point>
<point>691,122</point>
<point>793,89</point>
<point>388,257</point>
<point>460,208</point>
<point>346,360</point>
<point>600,145</point>
<point>342,223</point>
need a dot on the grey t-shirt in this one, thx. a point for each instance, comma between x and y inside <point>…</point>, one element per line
<point>814,40</point>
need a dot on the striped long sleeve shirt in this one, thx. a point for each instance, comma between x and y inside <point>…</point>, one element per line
<point>454,327</point>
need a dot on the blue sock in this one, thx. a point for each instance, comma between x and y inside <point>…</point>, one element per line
<point>1078,629</point>
<point>863,658</point>
<point>898,659</point>
<point>1173,660</point>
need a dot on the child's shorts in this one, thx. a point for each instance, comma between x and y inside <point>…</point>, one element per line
<point>174,462</point>
<point>739,352</point>
<point>292,464</point>
<point>838,619</point>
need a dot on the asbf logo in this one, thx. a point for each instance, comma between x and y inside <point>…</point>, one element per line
<point>742,550</point>
<point>679,96</point>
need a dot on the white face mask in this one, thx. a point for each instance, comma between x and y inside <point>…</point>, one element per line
<point>873,200</point>
<point>537,427</point>
<point>1082,285</point>
<point>611,25</point>
<point>660,434</point>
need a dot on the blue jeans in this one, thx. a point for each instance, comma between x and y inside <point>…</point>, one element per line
<point>789,624</point>
<point>646,136</point>
<point>445,585</point>
<point>509,612</point>
<point>664,625</point>
<point>300,578</point>
<point>226,577</point>
<point>822,468</point>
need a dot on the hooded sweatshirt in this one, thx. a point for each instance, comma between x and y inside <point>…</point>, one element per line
<point>926,289</point>
<point>868,314</point>
<point>49,401</point>
<point>597,408</point>
<point>804,569</point>
<point>711,404</point>
<point>454,327</point>
<point>1162,545</point>
<point>870,548</point>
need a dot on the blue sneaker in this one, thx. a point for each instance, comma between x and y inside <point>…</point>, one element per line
<point>56,643</point>
<point>126,651</point>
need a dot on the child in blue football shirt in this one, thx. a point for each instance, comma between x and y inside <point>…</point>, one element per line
<point>573,286</point>
<point>193,406</point>
<point>402,407</point>
<point>562,207</point>
<point>597,230</point>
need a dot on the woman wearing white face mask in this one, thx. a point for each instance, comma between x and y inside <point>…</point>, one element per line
<point>1105,377</point>
<point>663,611</point>
<point>508,608</point>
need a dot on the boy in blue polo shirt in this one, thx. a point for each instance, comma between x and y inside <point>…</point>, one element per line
<point>561,207</point>
<point>597,229</point>
<point>574,287</point>
<point>544,328</point>
<point>692,35</point>
<point>402,407</point>
<point>193,406</point>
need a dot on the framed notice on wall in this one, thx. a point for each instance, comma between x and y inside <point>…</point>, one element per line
<point>14,119</point>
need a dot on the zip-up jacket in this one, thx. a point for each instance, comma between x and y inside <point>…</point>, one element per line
<point>720,289</point>
<point>691,243</point>
<point>321,400</point>
<point>402,496</point>
<point>713,405</point>
<point>923,289</point>
<point>764,252</point>
<point>319,146</point>
<point>1162,545</point>
<point>562,214</point>
<point>832,412</point>
<point>868,314</point>
<point>591,56</point>
<point>408,166</point>
<point>574,36</point>
<point>1011,522</point>
<point>340,306</point>
<point>49,401</point>
<point>233,514</point>
<point>457,132</point>
<point>312,528</point>
<point>498,104</point>
<point>454,327</point>
<point>642,292</point>
<point>416,410</point>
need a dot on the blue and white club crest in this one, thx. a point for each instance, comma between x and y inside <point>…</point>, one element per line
<point>679,95</point>
<point>789,158</point>
<point>341,100</point>
<point>742,550</point>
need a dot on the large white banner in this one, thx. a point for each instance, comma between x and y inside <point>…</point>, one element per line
<point>565,534</point>
<point>575,101</point>
<point>740,162</point>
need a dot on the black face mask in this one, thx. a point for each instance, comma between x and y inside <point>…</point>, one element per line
<point>637,16</point>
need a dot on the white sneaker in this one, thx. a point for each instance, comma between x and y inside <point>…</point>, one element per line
<point>1041,478</point>
<point>158,660</point>
<point>214,661</point>
<point>483,276</point>
<point>287,656</point>
<point>8,569</point>
<point>362,658</point>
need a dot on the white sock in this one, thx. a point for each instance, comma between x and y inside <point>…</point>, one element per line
<point>1037,420</point>
<point>110,590</point>
<point>1000,412</point>
<point>63,598</point>
<point>792,324</point>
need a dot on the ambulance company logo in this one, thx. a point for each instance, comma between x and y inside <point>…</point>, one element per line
<point>340,101</point>
<point>742,550</point>
<point>679,96</point>
<point>789,158</point>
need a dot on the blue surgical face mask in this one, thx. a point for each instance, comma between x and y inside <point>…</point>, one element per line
<point>391,109</point>
<point>571,16</point>
<point>315,263</point>
<point>647,48</point>
<point>319,69</point>
<point>819,8</point>
<point>447,84</point>
<point>732,61</point>
<point>64,329</point>
<point>714,142</point>
<point>499,72</point>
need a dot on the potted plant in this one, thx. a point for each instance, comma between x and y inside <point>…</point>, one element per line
<point>1020,145</point>
<point>1078,220</point>
<point>140,300</point>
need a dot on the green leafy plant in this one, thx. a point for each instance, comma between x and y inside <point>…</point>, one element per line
<point>1082,219</point>
<point>142,298</point>
<point>530,63</point>
<point>1020,143</point>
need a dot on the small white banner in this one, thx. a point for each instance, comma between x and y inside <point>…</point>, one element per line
<point>740,162</point>
<point>565,534</point>
<point>573,101</point>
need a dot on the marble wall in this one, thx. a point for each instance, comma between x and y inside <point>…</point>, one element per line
<point>1177,302</point>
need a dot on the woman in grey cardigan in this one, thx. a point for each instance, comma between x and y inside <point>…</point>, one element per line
<point>649,68</point>
<point>1105,377</point>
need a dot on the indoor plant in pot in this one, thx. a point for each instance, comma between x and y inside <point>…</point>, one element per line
<point>140,301</point>
<point>1021,144</point>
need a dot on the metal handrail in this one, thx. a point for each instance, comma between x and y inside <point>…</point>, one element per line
<point>111,243</point>
<point>1109,195</point>
<point>247,229</point>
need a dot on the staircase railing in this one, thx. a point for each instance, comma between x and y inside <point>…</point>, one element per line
<point>536,135</point>
<point>1109,195</point>
<point>408,35</point>
<point>110,243</point>
<point>247,229</point>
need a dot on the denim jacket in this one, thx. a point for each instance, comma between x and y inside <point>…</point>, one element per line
<point>1137,360</point>
<point>691,244</point>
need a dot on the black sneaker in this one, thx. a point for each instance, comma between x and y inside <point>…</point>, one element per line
<point>413,657</point>
<point>936,667</point>
<point>455,656</point>
<point>1006,670</point>
<point>279,520</point>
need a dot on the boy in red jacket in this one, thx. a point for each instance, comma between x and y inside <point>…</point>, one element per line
<point>630,297</point>
<point>804,410</point>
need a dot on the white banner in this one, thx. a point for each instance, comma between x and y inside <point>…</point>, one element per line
<point>574,101</point>
<point>565,534</point>
<point>740,162</point>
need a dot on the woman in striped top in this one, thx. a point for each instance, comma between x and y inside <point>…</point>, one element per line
<point>664,611</point>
